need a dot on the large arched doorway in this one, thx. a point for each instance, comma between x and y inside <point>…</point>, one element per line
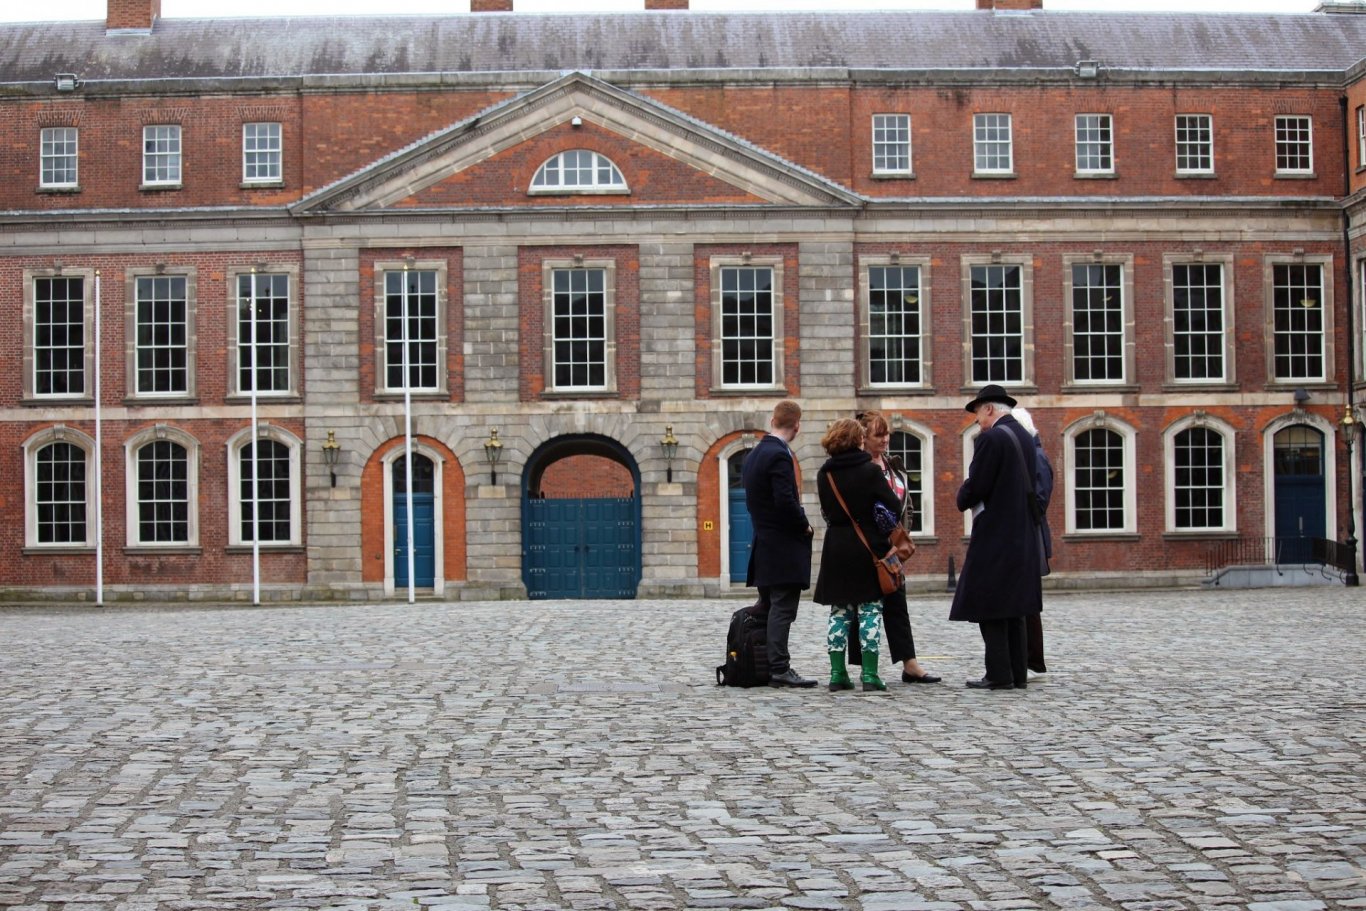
<point>739,527</point>
<point>1300,485</point>
<point>581,520</point>
<point>424,521</point>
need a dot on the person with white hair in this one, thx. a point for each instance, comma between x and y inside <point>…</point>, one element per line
<point>1043,492</point>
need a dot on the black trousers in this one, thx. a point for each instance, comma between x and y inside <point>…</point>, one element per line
<point>896,621</point>
<point>1034,632</point>
<point>1006,650</point>
<point>782,610</point>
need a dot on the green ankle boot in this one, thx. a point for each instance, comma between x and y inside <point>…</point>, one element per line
<point>871,681</point>
<point>839,674</point>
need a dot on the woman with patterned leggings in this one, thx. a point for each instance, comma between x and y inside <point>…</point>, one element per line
<point>848,581</point>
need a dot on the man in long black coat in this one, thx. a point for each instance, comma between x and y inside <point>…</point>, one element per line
<point>999,585</point>
<point>780,560</point>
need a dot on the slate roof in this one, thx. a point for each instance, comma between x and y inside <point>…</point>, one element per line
<point>669,41</point>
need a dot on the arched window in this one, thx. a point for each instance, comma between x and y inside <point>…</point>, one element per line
<point>163,488</point>
<point>578,171</point>
<point>917,456</point>
<point>1101,477</point>
<point>275,460</point>
<point>1200,488</point>
<point>60,489</point>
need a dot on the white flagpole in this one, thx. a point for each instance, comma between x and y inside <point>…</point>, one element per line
<point>408,437</point>
<point>99,459</point>
<point>255,461</point>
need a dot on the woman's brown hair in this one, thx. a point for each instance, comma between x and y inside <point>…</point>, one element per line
<point>842,436</point>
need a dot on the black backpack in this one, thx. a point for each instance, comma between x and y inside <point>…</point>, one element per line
<point>746,648</point>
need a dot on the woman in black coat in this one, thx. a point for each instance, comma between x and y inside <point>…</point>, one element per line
<point>848,580</point>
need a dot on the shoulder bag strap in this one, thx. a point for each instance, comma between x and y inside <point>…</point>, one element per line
<point>830,476</point>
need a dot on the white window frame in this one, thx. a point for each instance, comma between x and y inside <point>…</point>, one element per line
<point>263,146</point>
<point>131,346</point>
<point>131,448</point>
<point>382,387</point>
<point>1025,263</point>
<point>1204,148</point>
<point>1361,136</point>
<point>924,338</point>
<point>1200,420</point>
<point>550,176</point>
<point>897,149</point>
<point>234,275</point>
<point>986,144</point>
<point>30,354</point>
<point>235,444</point>
<point>1282,126</point>
<point>609,269</point>
<point>168,150</point>
<point>1170,262</point>
<point>1326,305</point>
<point>1128,341</point>
<point>50,160</point>
<point>927,487</point>
<point>775,265</point>
<point>32,446</point>
<point>1101,421</point>
<point>1103,148</point>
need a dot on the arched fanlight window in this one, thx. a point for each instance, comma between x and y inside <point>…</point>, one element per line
<point>578,170</point>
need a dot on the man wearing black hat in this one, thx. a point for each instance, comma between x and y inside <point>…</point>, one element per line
<point>999,585</point>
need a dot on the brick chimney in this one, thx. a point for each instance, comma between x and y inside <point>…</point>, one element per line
<point>1010,4</point>
<point>666,4</point>
<point>490,6</point>
<point>132,14</point>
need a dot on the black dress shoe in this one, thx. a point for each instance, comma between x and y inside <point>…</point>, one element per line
<point>923,678</point>
<point>790,677</point>
<point>1022,686</point>
<point>985,684</point>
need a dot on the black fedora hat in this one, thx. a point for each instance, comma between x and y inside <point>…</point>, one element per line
<point>992,393</point>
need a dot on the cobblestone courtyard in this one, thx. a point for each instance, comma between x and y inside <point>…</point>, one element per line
<point>1190,750</point>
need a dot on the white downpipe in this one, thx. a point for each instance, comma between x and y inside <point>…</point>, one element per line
<point>99,458</point>
<point>255,460</point>
<point>408,438</point>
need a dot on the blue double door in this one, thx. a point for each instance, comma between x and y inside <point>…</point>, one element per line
<point>581,548</point>
<point>424,522</point>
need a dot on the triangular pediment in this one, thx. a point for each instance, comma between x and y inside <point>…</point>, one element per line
<point>744,173</point>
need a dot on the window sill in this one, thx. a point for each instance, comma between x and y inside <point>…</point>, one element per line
<point>1294,175</point>
<point>56,550</point>
<point>896,390</point>
<point>1199,386</point>
<point>893,175</point>
<point>58,191</point>
<point>262,185</point>
<point>159,187</point>
<point>994,175</point>
<point>151,401</point>
<point>169,550</point>
<point>1195,175</point>
<point>1080,537</point>
<point>426,395</point>
<point>271,398</point>
<point>579,191</point>
<point>1075,388</point>
<point>270,548</point>
<point>1202,535</point>
<point>56,401</point>
<point>579,394</point>
<point>1307,385</point>
<point>1015,390</point>
<point>748,390</point>
<point>1096,175</point>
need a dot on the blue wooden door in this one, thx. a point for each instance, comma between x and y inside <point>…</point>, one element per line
<point>1299,483</point>
<point>424,523</point>
<point>581,548</point>
<point>740,528</point>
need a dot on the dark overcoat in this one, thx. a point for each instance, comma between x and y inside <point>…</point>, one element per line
<point>781,554</point>
<point>847,573</point>
<point>1000,576</point>
<point>1043,492</point>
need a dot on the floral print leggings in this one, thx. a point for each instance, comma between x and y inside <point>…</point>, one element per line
<point>841,617</point>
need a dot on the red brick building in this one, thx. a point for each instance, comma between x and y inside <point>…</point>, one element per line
<point>617,240</point>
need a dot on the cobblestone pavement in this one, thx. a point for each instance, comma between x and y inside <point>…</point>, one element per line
<point>1190,750</point>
